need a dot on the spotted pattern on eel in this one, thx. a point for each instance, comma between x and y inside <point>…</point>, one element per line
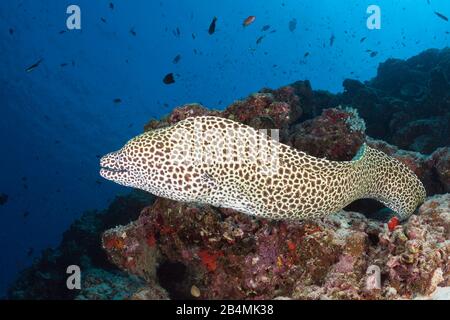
<point>216,161</point>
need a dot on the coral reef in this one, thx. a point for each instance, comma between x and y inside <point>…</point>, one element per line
<point>46,278</point>
<point>408,102</point>
<point>227,255</point>
<point>165,249</point>
<point>336,135</point>
<point>433,170</point>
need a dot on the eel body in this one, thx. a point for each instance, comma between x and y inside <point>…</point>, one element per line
<point>216,161</point>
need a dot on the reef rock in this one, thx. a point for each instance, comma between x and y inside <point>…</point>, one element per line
<point>46,277</point>
<point>228,255</point>
<point>433,170</point>
<point>408,102</point>
<point>336,134</point>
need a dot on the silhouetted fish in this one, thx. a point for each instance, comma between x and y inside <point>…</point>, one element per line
<point>169,78</point>
<point>440,15</point>
<point>111,6</point>
<point>332,38</point>
<point>265,28</point>
<point>34,65</point>
<point>362,39</point>
<point>293,25</point>
<point>3,198</point>
<point>177,59</point>
<point>133,32</point>
<point>212,26</point>
<point>258,41</point>
<point>117,100</point>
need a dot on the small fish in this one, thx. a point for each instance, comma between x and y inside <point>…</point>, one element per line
<point>62,65</point>
<point>373,54</point>
<point>362,39</point>
<point>306,54</point>
<point>193,36</point>
<point>62,32</point>
<point>332,38</point>
<point>3,198</point>
<point>258,41</point>
<point>26,214</point>
<point>265,28</point>
<point>169,79</point>
<point>11,31</point>
<point>117,100</point>
<point>177,59</point>
<point>440,15</point>
<point>34,65</point>
<point>212,26</point>
<point>248,21</point>
<point>393,223</point>
<point>293,25</point>
<point>111,6</point>
<point>103,20</point>
<point>133,32</point>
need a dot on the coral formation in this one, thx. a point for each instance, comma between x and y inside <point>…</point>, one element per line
<point>168,249</point>
<point>226,255</point>
<point>46,278</point>
<point>408,102</point>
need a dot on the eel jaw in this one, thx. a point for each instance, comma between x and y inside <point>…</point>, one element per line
<point>110,169</point>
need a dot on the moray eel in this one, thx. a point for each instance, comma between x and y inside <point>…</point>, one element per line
<point>216,161</point>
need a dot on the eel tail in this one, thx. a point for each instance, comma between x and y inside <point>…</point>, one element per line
<point>389,181</point>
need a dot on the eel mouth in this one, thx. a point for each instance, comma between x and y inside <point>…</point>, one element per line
<point>113,170</point>
<point>109,167</point>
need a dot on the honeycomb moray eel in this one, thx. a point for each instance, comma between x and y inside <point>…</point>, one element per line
<point>216,161</point>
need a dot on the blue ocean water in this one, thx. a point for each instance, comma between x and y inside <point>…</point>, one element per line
<point>61,116</point>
